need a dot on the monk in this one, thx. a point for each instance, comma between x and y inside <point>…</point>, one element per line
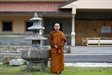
<point>57,41</point>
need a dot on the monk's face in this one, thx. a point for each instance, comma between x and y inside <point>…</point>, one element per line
<point>56,26</point>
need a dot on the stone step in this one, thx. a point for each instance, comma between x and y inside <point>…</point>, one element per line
<point>90,47</point>
<point>92,53</point>
<point>91,50</point>
<point>87,58</point>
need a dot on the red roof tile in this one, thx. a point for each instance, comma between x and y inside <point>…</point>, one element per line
<point>29,6</point>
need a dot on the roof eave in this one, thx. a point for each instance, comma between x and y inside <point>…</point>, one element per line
<point>68,2</point>
<point>34,12</point>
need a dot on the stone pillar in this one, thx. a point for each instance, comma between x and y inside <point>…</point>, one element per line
<point>73,25</point>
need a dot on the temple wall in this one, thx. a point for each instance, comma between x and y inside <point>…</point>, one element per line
<point>91,28</point>
<point>18,23</point>
<point>87,24</point>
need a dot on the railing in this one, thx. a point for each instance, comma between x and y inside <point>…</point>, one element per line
<point>97,41</point>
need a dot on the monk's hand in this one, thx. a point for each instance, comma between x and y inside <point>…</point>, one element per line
<point>56,46</point>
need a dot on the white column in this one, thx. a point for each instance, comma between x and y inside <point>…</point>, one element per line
<point>41,23</point>
<point>41,31</point>
<point>73,25</point>
<point>73,31</point>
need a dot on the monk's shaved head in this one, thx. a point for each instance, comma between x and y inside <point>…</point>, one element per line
<point>56,26</point>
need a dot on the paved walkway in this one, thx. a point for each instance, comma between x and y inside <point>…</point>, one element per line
<point>70,58</point>
<point>86,64</point>
<point>89,64</point>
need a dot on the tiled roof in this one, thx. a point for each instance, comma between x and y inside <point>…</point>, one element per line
<point>30,6</point>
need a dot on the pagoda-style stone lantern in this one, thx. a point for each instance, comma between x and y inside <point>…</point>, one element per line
<point>36,56</point>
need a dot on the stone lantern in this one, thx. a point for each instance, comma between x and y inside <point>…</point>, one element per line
<point>36,56</point>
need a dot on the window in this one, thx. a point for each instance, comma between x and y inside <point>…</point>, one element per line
<point>106,29</point>
<point>28,24</point>
<point>7,26</point>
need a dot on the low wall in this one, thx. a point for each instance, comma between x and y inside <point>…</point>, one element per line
<point>12,49</point>
<point>16,49</point>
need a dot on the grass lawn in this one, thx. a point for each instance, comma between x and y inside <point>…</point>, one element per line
<point>21,70</point>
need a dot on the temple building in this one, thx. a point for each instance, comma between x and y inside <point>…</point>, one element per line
<point>78,19</point>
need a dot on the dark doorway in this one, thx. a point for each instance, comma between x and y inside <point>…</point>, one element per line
<point>65,26</point>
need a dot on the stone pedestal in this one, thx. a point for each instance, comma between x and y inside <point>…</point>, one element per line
<point>37,58</point>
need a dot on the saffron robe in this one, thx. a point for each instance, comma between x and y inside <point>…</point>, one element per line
<point>57,55</point>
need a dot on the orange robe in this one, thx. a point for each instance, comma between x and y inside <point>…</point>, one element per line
<point>57,55</point>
